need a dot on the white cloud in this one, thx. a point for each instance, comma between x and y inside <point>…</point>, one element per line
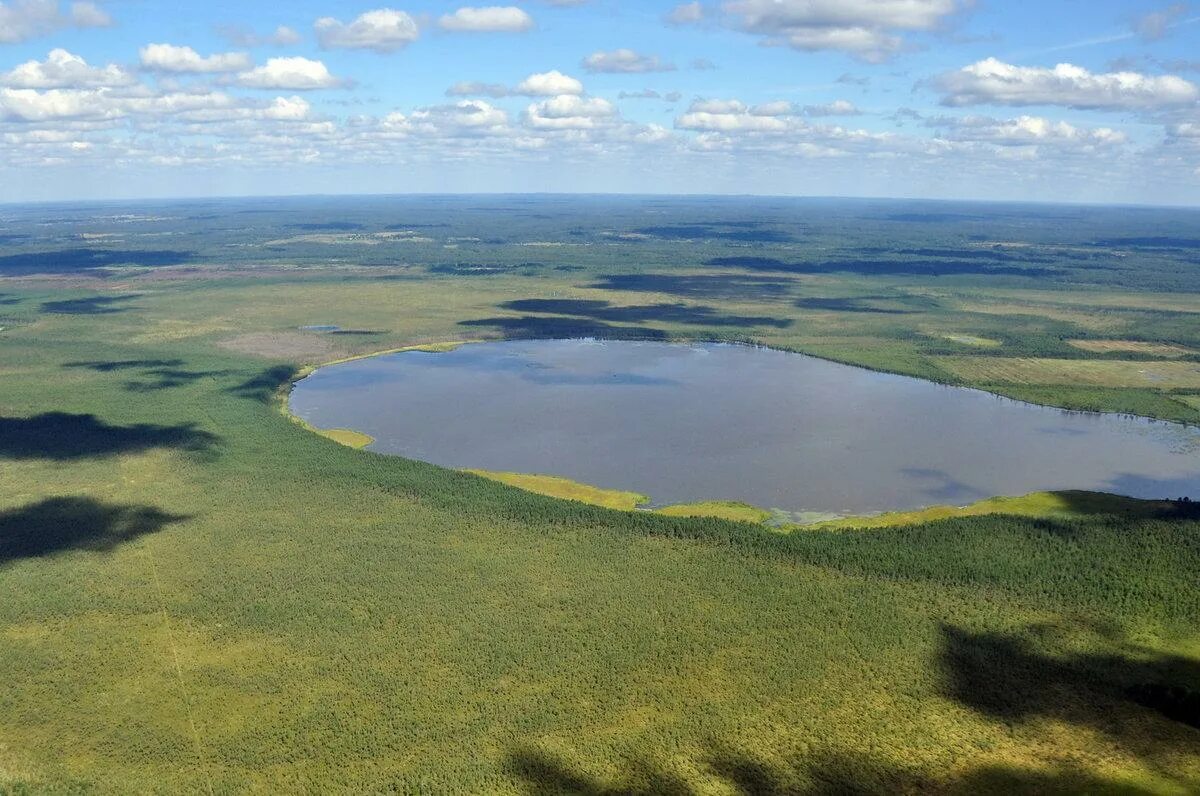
<point>836,108</point>
<point>625,61</point>
<point>172,58</point>
<point>469,118</point>
<point>548,84</point>
<point>295,73</point>
<point>993,82</point>
<point>290,109</point>
<point>727,117</point>
<point>569,112</point>
<point>32,106</point>
<point>686,14</point>
<point>383,30</point>
<point>1025,130</point>
<point>1185,130</point>
<point>28,105</point>
<point>867,29</point>
<point>27,19</point>
<point>489,19</point>
<point>61,69</point>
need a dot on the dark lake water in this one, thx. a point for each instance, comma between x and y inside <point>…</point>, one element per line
<point>704,422</point>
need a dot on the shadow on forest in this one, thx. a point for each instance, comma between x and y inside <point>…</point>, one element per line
<point>661,313</point>
<point>533,326</point>
<point>92,305</point>
<point>1008,678</point>
<point>1142,700</point>
<point>156,374</point>
<point>63,437</point>
<point>88,261</point>
<point>729,287</point>
<point>265,385</point>
<point>858,304</point>
<point>813,774</point>
<point>60,524</point>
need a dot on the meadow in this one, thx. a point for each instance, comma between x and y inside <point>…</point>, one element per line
<point>201,595</point>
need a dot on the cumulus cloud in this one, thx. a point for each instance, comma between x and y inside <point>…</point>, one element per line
<point>993,82</point>
<point>868,29</point>
<point>469,118</point>
<point>32,106</point>
<point>26,19</point>
<point>295,73</point>
<point>383,30</point>
<point>61,69</point>
<point>569,112</point>
<point>686,14</point>
<point>836,108</point>
<point>172,58</point>
<point>29,105</point>
<point>625,61</point>
<point>548,84</point>
<point>288,109</point>
<point>1026,130</point>
<point>488,19</point>
<point>733,116</point>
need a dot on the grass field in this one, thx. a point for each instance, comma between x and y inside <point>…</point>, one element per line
<point>200,595</point>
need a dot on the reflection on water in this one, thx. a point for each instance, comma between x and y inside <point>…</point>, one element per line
<point>698,422</point>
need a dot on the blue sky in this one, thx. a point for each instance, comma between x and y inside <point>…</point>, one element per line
<point>1061,100</point>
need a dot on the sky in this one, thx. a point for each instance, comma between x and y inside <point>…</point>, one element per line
<point>1023,100</point>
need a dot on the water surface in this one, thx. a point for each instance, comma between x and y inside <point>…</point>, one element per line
<point>702,422</point>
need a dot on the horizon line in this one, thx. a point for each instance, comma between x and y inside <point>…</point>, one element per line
<point>676,195</point>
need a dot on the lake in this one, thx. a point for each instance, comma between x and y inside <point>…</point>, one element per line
<point>683,422</point>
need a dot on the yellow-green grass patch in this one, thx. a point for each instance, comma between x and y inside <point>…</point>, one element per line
<point>348,437</point>
<point>1091,372</point>
<point>1131,346</point>
<point>1072,503</point>
<point>971,340</point>
<point>722,509</point>
<point>566,489</point>
<point>1096,321</point>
